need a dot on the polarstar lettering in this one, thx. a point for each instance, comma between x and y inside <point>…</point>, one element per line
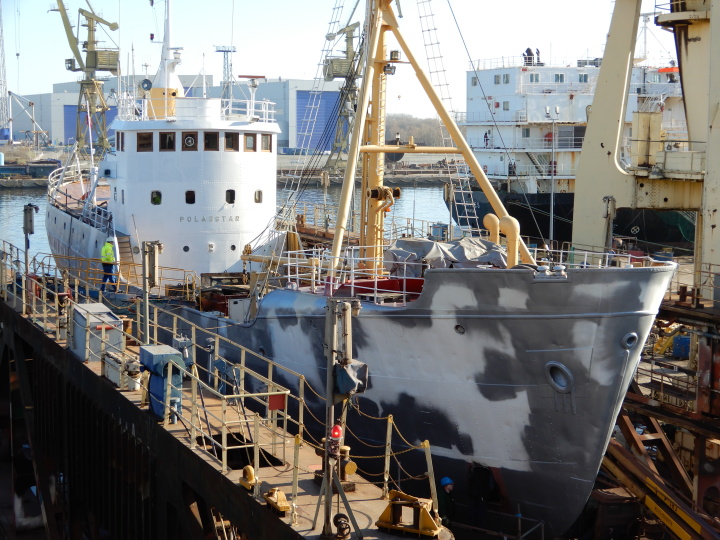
<point>215,219</point>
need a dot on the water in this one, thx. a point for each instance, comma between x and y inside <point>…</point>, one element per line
<point>12,202</point>
<point>421,203</point>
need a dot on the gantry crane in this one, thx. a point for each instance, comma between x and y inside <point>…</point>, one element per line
<point>91,100</point>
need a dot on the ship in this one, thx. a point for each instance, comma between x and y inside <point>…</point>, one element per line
<point>501,360</point>
<point>526,120</point>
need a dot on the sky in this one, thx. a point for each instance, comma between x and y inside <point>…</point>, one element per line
<point>285,38</point>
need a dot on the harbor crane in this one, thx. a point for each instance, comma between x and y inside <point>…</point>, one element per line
<point>91,100</point>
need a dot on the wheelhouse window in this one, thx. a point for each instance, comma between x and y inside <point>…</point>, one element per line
<point>506,105</point>
<point>250,143</point>
<point>211,141</point>
<point>230,196</point>
<point>120,141</point>
<point>266,142</point>
<point>190,141</point>
<point>534,77</point>
<point>167,141</point>
<point>506,78</point>
<point>144,142</point>
<point>155,197</point>
<point>232,142</point>
<point>189,197</point>
<point>496,79</point>
<point>559,77</point>
<point>583,77</point>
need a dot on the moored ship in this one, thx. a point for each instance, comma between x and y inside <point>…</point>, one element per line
<point>526,120</point>
<point>497,360</point>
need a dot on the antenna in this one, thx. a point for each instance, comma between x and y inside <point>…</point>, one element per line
<point>4,113</point>
<point>227,51</point>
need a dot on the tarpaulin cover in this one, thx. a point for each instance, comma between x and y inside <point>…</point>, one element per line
<point>469,252</point>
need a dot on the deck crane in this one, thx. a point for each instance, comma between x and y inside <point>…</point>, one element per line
<point>91,100</point>
<point>345,67</point>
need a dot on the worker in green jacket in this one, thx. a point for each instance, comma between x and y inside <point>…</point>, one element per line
<point>107,256</point>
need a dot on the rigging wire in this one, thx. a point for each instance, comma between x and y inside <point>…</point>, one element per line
<point>494,121</point>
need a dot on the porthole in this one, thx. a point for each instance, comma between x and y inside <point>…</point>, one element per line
<point>460,329</point>
<point>186,248</point>
<point>233,247</point>
<point>629,341</point>
<point>559,377</point>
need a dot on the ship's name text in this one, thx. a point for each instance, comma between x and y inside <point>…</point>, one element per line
<point>211,219</point>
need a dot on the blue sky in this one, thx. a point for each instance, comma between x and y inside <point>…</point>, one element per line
<point>284,38</point>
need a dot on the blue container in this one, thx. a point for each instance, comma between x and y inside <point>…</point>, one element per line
<point>681,347</point>
<point>155,359</point>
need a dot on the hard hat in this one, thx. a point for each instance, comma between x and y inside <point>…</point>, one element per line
<point>446,481</point>
<point>110,239</point>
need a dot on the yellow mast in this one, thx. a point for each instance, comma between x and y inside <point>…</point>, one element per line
<point>370,122</point>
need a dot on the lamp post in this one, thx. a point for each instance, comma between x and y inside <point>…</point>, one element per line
<point>553,166</point>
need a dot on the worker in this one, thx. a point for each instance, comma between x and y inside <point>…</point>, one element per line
<point>107,256</point>
<point>446,502</point>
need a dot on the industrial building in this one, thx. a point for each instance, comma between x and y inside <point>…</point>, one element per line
<point>55,113</point>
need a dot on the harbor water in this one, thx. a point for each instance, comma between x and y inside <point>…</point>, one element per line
<point>423,203</point>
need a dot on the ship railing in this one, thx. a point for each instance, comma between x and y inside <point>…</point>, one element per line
<point>87,274</point>
<point>322,217</point>
<point>253,110</point>
<point>529,144</point>
<point>669,382</point>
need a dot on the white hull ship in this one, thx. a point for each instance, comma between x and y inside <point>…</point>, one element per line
<point>521,368</point>
<point>526,120</point>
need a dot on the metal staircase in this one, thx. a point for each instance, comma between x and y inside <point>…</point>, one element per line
<point>127,261</point>
<point>460,180</point>
<point>539,161</point>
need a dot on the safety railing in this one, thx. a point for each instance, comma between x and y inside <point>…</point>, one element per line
<point>127,276</point>
<point>322,217</point>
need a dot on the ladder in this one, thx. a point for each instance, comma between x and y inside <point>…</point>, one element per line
<point>460,181</point>
<point>127,260</point>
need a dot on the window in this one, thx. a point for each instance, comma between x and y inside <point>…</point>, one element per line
<point>526,133</point>
<point>559,77</point>
<point>506,105</point>
<point>474,81</point>
<point>230,196</point>
<point>155,197</point>
<point>497,79</point>
<point>144,142</point>
<point>655,77</point>
<point>115,194</point>
<point>258,196</point>
<point>189,141</point>
<point>232,142</point>
<point>120,141</point>
<point>211,140</point>
<point>534,77</point>
<point>122,193</point>
<point>266,142</point>
<point>167,141</point>
<point>506,78</point>
<point>189,197</point>
<point>583,77</point>
<point>250,142</point>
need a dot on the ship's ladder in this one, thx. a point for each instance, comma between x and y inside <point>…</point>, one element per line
<point>310,115</point>
<point>539,161</point>
<point>456,169</point>
<point>127,260</point>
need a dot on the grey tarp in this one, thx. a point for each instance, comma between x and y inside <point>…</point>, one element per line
<point>419,254</point>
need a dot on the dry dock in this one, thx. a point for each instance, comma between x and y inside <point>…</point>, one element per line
<point>104,464</point>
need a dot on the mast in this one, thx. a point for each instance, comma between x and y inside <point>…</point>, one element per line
<point>166,86</point>
<point>370,125</point>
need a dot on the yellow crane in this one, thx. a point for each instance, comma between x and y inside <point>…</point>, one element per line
<point>91,100</point>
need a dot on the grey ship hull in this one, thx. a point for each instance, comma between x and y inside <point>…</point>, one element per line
<point>519,371</point>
